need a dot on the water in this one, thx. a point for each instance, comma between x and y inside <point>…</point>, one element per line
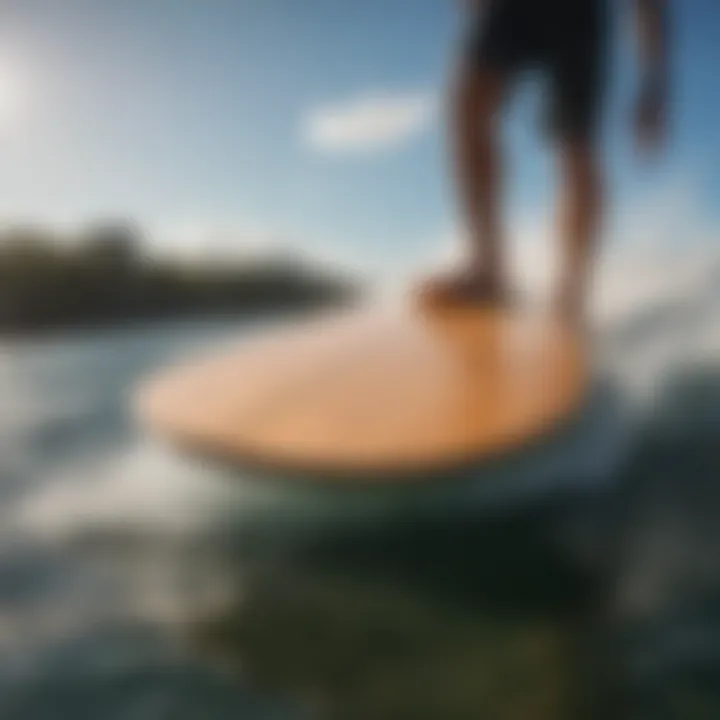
<point>138,584</point>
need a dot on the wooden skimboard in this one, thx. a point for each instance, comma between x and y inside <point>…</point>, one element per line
<point>375,394</point>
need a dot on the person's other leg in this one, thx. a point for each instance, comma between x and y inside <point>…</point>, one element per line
<point>577,65</point>
<point>579,221</point>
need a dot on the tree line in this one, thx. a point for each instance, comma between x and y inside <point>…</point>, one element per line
<point>106,275</point>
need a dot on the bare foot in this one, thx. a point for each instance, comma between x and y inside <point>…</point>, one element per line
<point>463,288</point>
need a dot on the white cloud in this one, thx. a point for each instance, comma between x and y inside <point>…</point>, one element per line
<point>368,123</point>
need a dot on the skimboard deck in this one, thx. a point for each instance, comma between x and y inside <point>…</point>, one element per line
<point>375,394</point>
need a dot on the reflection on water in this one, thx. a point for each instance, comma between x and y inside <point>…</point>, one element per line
<point>136,584</point>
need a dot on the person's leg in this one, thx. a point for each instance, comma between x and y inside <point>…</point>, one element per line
<point>476,100</point>
<point>498,46</point>
<point>580,215</point>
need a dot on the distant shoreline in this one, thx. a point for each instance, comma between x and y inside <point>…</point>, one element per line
<point>106,280</point>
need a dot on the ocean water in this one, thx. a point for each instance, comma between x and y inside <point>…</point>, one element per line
<point>135,583</point>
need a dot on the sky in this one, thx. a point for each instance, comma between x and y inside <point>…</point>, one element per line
<point>226,125</point>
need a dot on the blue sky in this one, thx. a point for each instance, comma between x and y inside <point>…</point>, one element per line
<point>207,121</point>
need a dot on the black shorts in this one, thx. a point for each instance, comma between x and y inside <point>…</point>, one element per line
<point>565,39</point>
